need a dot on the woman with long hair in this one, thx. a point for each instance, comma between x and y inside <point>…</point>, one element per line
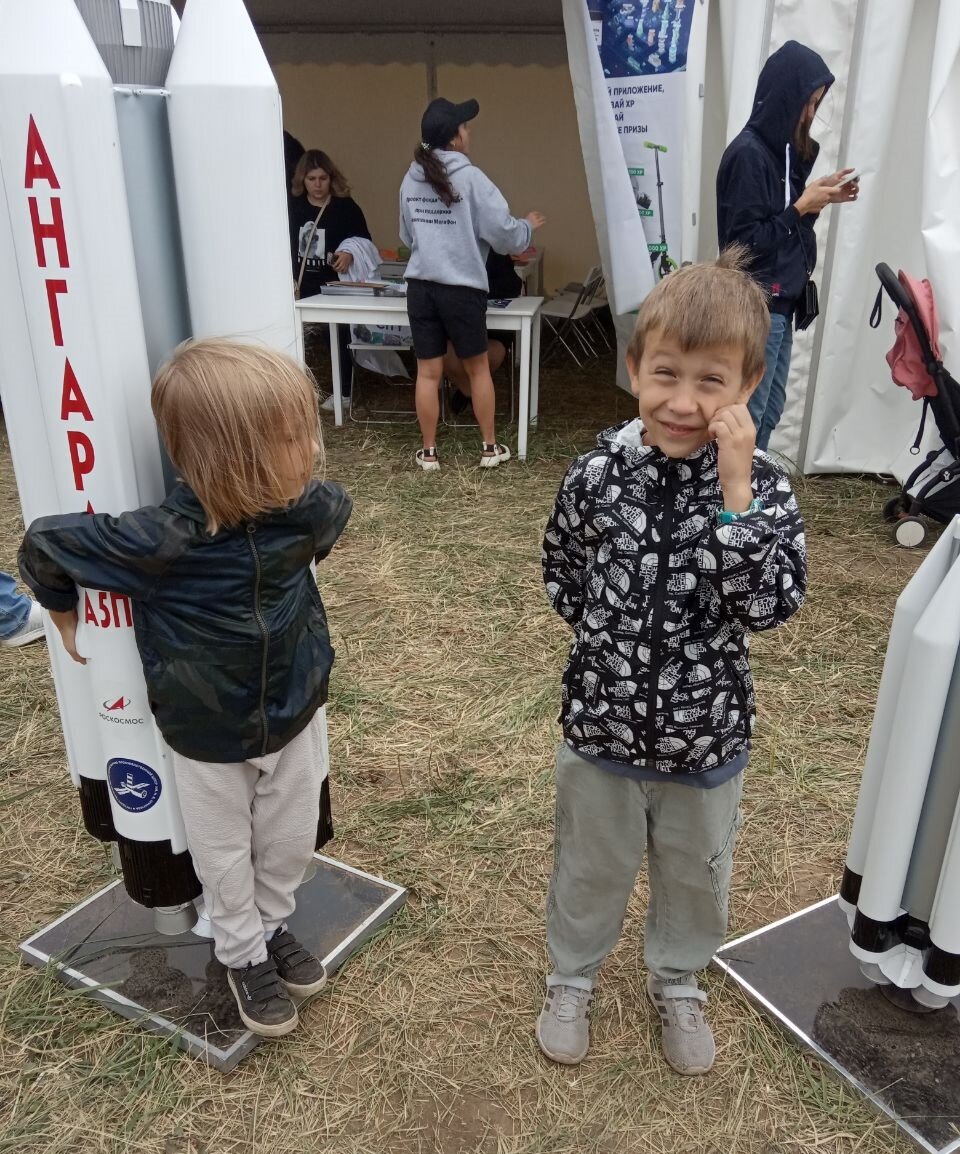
<point>323,215</point>
<point>451,216</point>
<point>765,203</point>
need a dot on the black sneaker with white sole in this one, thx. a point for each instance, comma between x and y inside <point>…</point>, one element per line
<point>263,999</point>
<point>299,970</point>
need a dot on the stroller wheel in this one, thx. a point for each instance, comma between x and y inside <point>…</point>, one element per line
<point>894,509</point>
<point>909,532</point>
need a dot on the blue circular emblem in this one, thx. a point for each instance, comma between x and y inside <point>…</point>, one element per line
<point>135,786</point>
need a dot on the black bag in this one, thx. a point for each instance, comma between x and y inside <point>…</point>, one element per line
<point>808,307</point>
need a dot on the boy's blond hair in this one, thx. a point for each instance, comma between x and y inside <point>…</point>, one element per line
<point>226,412</point>
<point>714,303</point>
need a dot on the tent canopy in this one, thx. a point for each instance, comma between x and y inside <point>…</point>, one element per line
<point>412,16</point>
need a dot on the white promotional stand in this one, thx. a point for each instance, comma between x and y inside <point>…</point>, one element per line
<point>870,980</point>
<point>142,202</point>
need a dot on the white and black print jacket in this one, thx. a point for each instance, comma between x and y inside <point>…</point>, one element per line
<point>660,598</point>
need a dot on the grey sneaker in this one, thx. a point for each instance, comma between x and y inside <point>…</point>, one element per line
<point>686,1038</point>
<point>563,1028</point>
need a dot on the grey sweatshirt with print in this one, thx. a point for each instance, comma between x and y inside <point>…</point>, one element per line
<point>451,245</point>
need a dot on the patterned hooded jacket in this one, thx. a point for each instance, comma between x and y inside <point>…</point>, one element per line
<point>661,598</point>
<point>230,628</point>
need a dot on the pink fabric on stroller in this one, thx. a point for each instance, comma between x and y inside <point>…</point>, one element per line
<point>906,359</point>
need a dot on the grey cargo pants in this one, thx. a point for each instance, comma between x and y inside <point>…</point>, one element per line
<point>604,824</point>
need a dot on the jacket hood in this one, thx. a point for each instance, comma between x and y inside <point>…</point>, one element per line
<point>182,499</point>
<point>453,161</point>
<point>626,441</point>
<point>787,81</point>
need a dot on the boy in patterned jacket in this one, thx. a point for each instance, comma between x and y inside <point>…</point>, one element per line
<point>669,544</point>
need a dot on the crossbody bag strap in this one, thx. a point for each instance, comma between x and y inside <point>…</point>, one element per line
<point>803,250</point>
<point>306,251</point>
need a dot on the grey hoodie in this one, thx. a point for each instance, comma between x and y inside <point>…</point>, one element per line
<point>451,245</point>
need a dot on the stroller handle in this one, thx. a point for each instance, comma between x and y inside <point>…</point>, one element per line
<point>895,290</point>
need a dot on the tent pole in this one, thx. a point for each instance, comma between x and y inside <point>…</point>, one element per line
<point>831,245</point>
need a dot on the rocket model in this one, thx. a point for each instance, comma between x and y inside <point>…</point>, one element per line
<point>141,202</point>
<point>901,883</point>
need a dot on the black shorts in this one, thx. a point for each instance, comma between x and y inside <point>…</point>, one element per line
<point>446,312</point>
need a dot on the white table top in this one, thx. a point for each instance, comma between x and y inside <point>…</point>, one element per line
<point>518,309</point>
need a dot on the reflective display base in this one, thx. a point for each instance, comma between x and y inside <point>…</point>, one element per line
<point>802,972</point>
<point>174,985</point>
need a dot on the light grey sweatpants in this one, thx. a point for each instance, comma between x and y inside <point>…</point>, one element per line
<point>251,830</point>
<point>604,823</point>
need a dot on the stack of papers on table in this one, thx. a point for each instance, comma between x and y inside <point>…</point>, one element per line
<point>363,288</point>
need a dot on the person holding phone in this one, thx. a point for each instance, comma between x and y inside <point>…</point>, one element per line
<point>765,202</point>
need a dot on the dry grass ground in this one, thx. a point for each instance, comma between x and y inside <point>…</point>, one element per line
<point>442,727</point>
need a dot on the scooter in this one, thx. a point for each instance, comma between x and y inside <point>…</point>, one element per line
<point>666,263</point>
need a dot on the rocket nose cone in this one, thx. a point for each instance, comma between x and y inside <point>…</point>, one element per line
<point>28,49</point>
<point>217,44</point>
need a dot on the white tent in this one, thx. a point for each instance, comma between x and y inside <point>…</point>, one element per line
<point>894,114</point>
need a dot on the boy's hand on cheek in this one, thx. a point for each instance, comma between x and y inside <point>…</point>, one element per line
<point>733,429</point>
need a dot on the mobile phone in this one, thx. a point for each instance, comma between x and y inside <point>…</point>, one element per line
<point>854,178</point>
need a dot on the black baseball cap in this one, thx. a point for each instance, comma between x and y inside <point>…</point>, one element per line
<point>443,118</point>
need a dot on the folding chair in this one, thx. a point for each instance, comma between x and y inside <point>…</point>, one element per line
<point>570,319</point>
<point>596,304</point>
<point>399,416</point>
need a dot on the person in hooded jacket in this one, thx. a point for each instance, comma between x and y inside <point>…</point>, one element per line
<point>765,203</point>
<point>451,216</point>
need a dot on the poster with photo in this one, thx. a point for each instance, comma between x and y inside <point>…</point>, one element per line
<point>643,54</point>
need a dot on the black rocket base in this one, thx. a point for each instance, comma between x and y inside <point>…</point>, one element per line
<point>802,972</point>
<point>174,985</point>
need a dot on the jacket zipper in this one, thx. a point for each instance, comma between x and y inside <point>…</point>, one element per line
<point>659,613</point>
<point>266,637</point>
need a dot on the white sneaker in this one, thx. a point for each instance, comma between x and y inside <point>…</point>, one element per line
<point>427,460</point>
<point>490,460</point>
<point>327,405</point>
<point>30,630</point>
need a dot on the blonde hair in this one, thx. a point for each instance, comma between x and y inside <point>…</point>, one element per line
<point>714,303</point>
<point>226,412</point>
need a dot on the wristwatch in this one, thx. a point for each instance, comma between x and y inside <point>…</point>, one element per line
<point>725,517</point>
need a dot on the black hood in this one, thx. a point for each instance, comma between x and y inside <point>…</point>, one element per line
<point>787,81</point>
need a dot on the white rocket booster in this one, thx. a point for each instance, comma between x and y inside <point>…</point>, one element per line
<point>83,332</point>
<point>901,882</point>
<point>226,130</point>
<point>79,418</point>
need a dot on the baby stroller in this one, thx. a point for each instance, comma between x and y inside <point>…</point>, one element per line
<point>933,488</point>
